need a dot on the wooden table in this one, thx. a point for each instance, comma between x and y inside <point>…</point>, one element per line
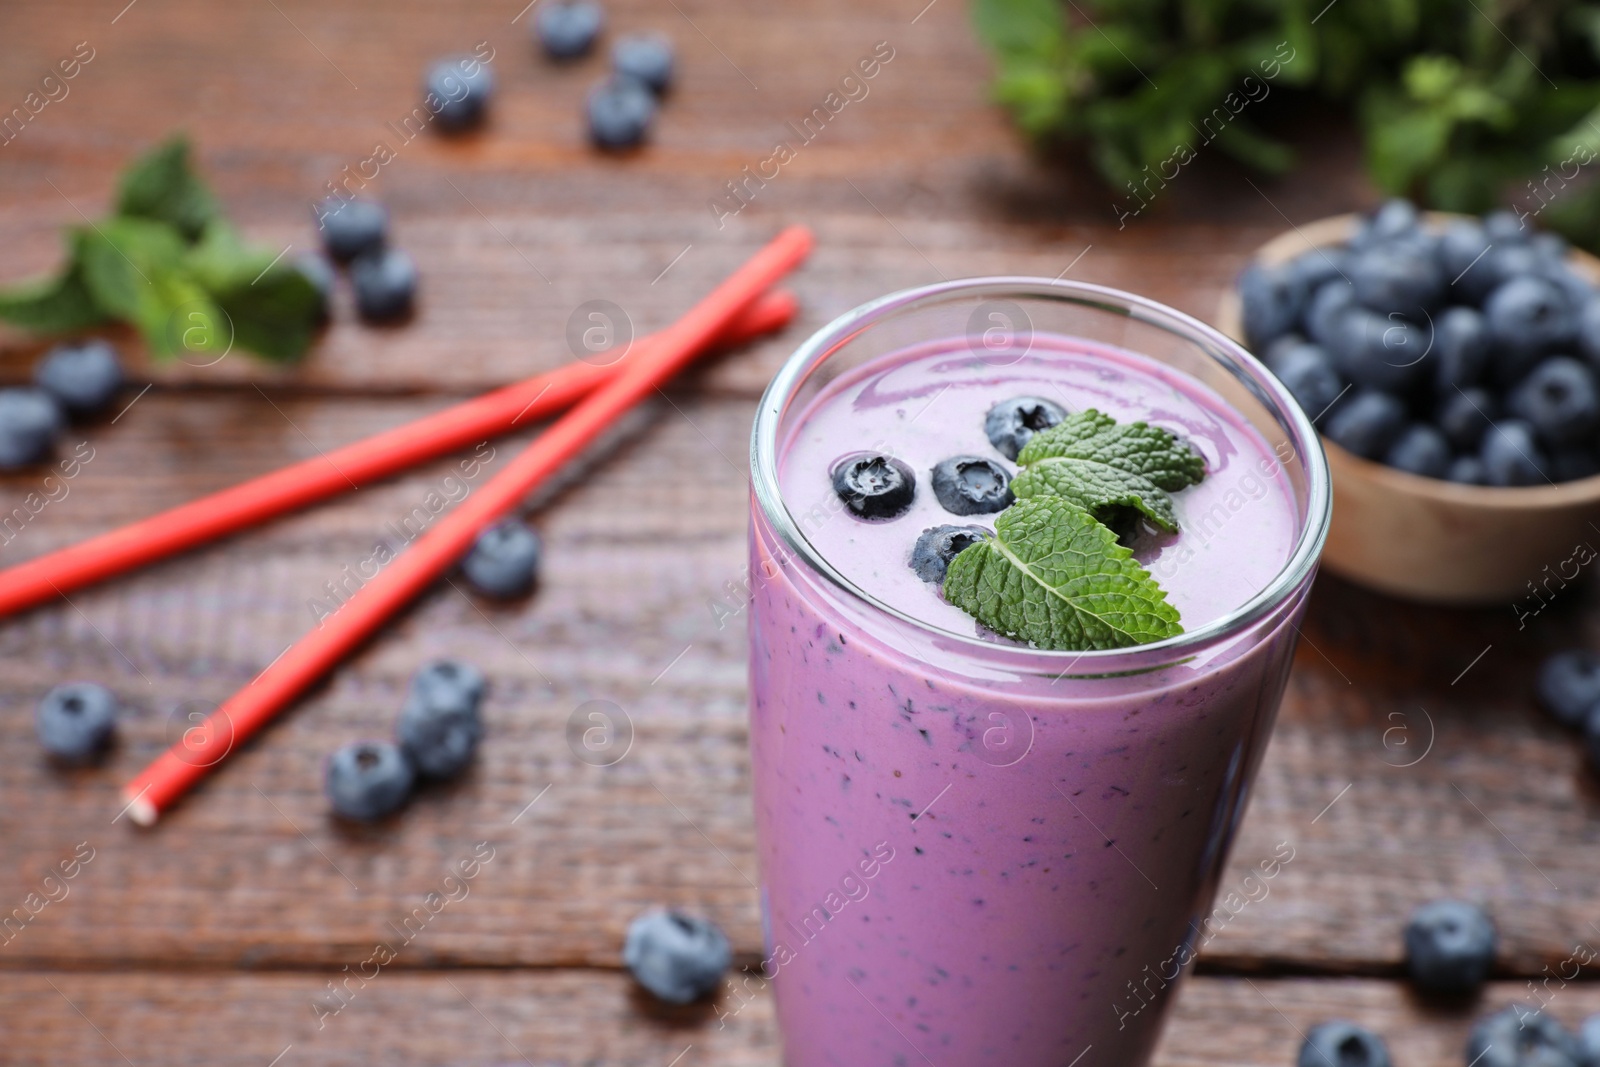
<point>1409,762</point>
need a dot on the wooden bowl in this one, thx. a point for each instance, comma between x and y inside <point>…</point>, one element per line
<point>1436,541</point>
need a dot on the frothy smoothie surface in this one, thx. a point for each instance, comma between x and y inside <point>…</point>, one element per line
<point>928,403</point>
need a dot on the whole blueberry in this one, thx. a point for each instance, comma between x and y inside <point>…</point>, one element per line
<point>1326,307</point>
<point>646,58</point>
<point>1449,946</point>
<point>620,113</point>
<point>1320,266</point>
<point>351,227</point>
<point>1560,398</point>
<point>1398,280</point>
<point>83,376</point>
<point>1588,329</point>
<point>1420,450</point>
<point>439,729</point>
<point>938,545</point>
<point>1367,423</point>
<point>1342,1044</point>
<point>503,560</point>
<point>971,485</point>
<point>1308,374</point>
<point>385,282</point>
<point>1461,248</point>
<point>75,722</point>
<point>1272,299</point>
<point>1467,470</point>
<point>316,269</point>
<point>1511,455</point>
<point>459,89</point>
<point>1568,685</point>
<point>1466,415</point>
<point>1392,220</point>
<point>873,486</point>
<point>1500,264</point>
<point>30,422</point>
<point>1521,1035</point>
<point>568,30</point>
<point>677,957</point>
<point>1527,317</point>
<point>1010,424</point>
<point>1569,463</point>
<point>367,780</point>
<point>1461,348</point>
<point>448,682</point>
<point>1379,352</point>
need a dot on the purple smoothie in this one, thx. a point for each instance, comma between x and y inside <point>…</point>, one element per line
<point>973,853</point>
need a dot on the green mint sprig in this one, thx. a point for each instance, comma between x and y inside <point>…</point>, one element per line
<point>168,263</point>
<point>1055,574</point>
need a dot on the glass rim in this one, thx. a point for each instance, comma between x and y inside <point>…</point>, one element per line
<point>1241,364</point>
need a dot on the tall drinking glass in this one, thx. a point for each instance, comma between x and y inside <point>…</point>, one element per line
<point>974,851</point>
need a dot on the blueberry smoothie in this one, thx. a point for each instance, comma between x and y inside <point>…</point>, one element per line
<point>974,851</point>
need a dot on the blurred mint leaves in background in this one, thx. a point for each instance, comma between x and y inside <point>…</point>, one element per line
<point>1464,104</point>
<point>169,264</point>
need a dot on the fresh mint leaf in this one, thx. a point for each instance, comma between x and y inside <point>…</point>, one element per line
<point>275,316</point>
<point>1105,492</point>
<point>1137,448</point>
<point>161,186</point>
<point>1054,576</point>
<point>136,270</point>
<point>54,304</point>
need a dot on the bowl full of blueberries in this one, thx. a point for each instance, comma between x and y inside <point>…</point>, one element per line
<point>1452,367</point>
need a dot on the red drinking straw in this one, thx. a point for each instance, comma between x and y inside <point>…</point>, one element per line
<point>159,785</point>
<point>230,510</point>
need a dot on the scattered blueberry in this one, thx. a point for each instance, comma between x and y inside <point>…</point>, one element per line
<point>1569,685</point>
<point>1367,423</point>
<point>1467,470</point>
<point>971,485</point>
<point>439,728</point>
<point>503,560</point>
<point>1342,1044</point>
<point>1449,946</point>
<point>462,85</point>
<point>1308,374</point>
<point>1460,348</point>
<point>938,545</point>
<point>75,721</point>
<point>1560,398</point>
<point>677,957</point>
<point>30,421</point>
<point>351,227</point>
<point>1511,456</point>
<point>1328,304</point>
<point>367,780</point>
<point>1420,450</point>
<point>873,486</point>
<point>1271,300</point>
<point>385,282</point>
<point>620,113</point>
<point>1466,415</point>
<point>1011,423</point>
<point>1521,1036</point>
<point>646,58</point>
<point>1378,351</point>
<point>1527,317</point>
<point>568,30</point>
<point>1390,280</point>
<point>83,376</point>
<point>449,681</point>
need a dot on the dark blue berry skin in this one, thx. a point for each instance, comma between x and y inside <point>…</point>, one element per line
<point>1399,280</point>
<point>1308,374</point>
<point>1466,415</point>
<point>1569,463</point>
<point>568,30</point>
<point>462,87</point>
<point>1467,470</point>
<point>1367,423</point>
<point>1393,220</point>
<point>75,722</point>
<point>1342,1044</point>
<point>445,681</point>
<point>938,545</point>
<point>1578,289</point>
<point>1379,352</point>
<point>1278,346</point>
<point>1320,266</point>
<point>1502,263</point>
<point>1522,1036</point>
<point>647,58</point>
<point>439,730</point>
<point>385,283</point>
<point>30,422</point>
<point>1591,748</point>
<point>1272,299</point>
<point>679,958</point>
<point>83,376</point>
<point>621,111</point>
<point>1568,685</point>
<point>874,487</point>
<point>1560,398</point>
<point>367,780</point>
<point>1527,317</point>
<point>1450,946</point>
<point>1326,307</point>
<point>1420,450</point>
<point>1588,330</point>
<point>351,227</point>
<point>1506,227</point>
<point>1460,354</point>
<point>1511,455</point>
<point>971,485</point>
<point>1461,248</point>
<point>1011,424</point>
<point>503,561</point>
<point>1589,1029</point>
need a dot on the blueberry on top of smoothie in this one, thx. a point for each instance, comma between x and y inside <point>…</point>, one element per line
<point>938,545</point>
<point>1011,423</point>
<point>971,485</point>
<point>874,486</point>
